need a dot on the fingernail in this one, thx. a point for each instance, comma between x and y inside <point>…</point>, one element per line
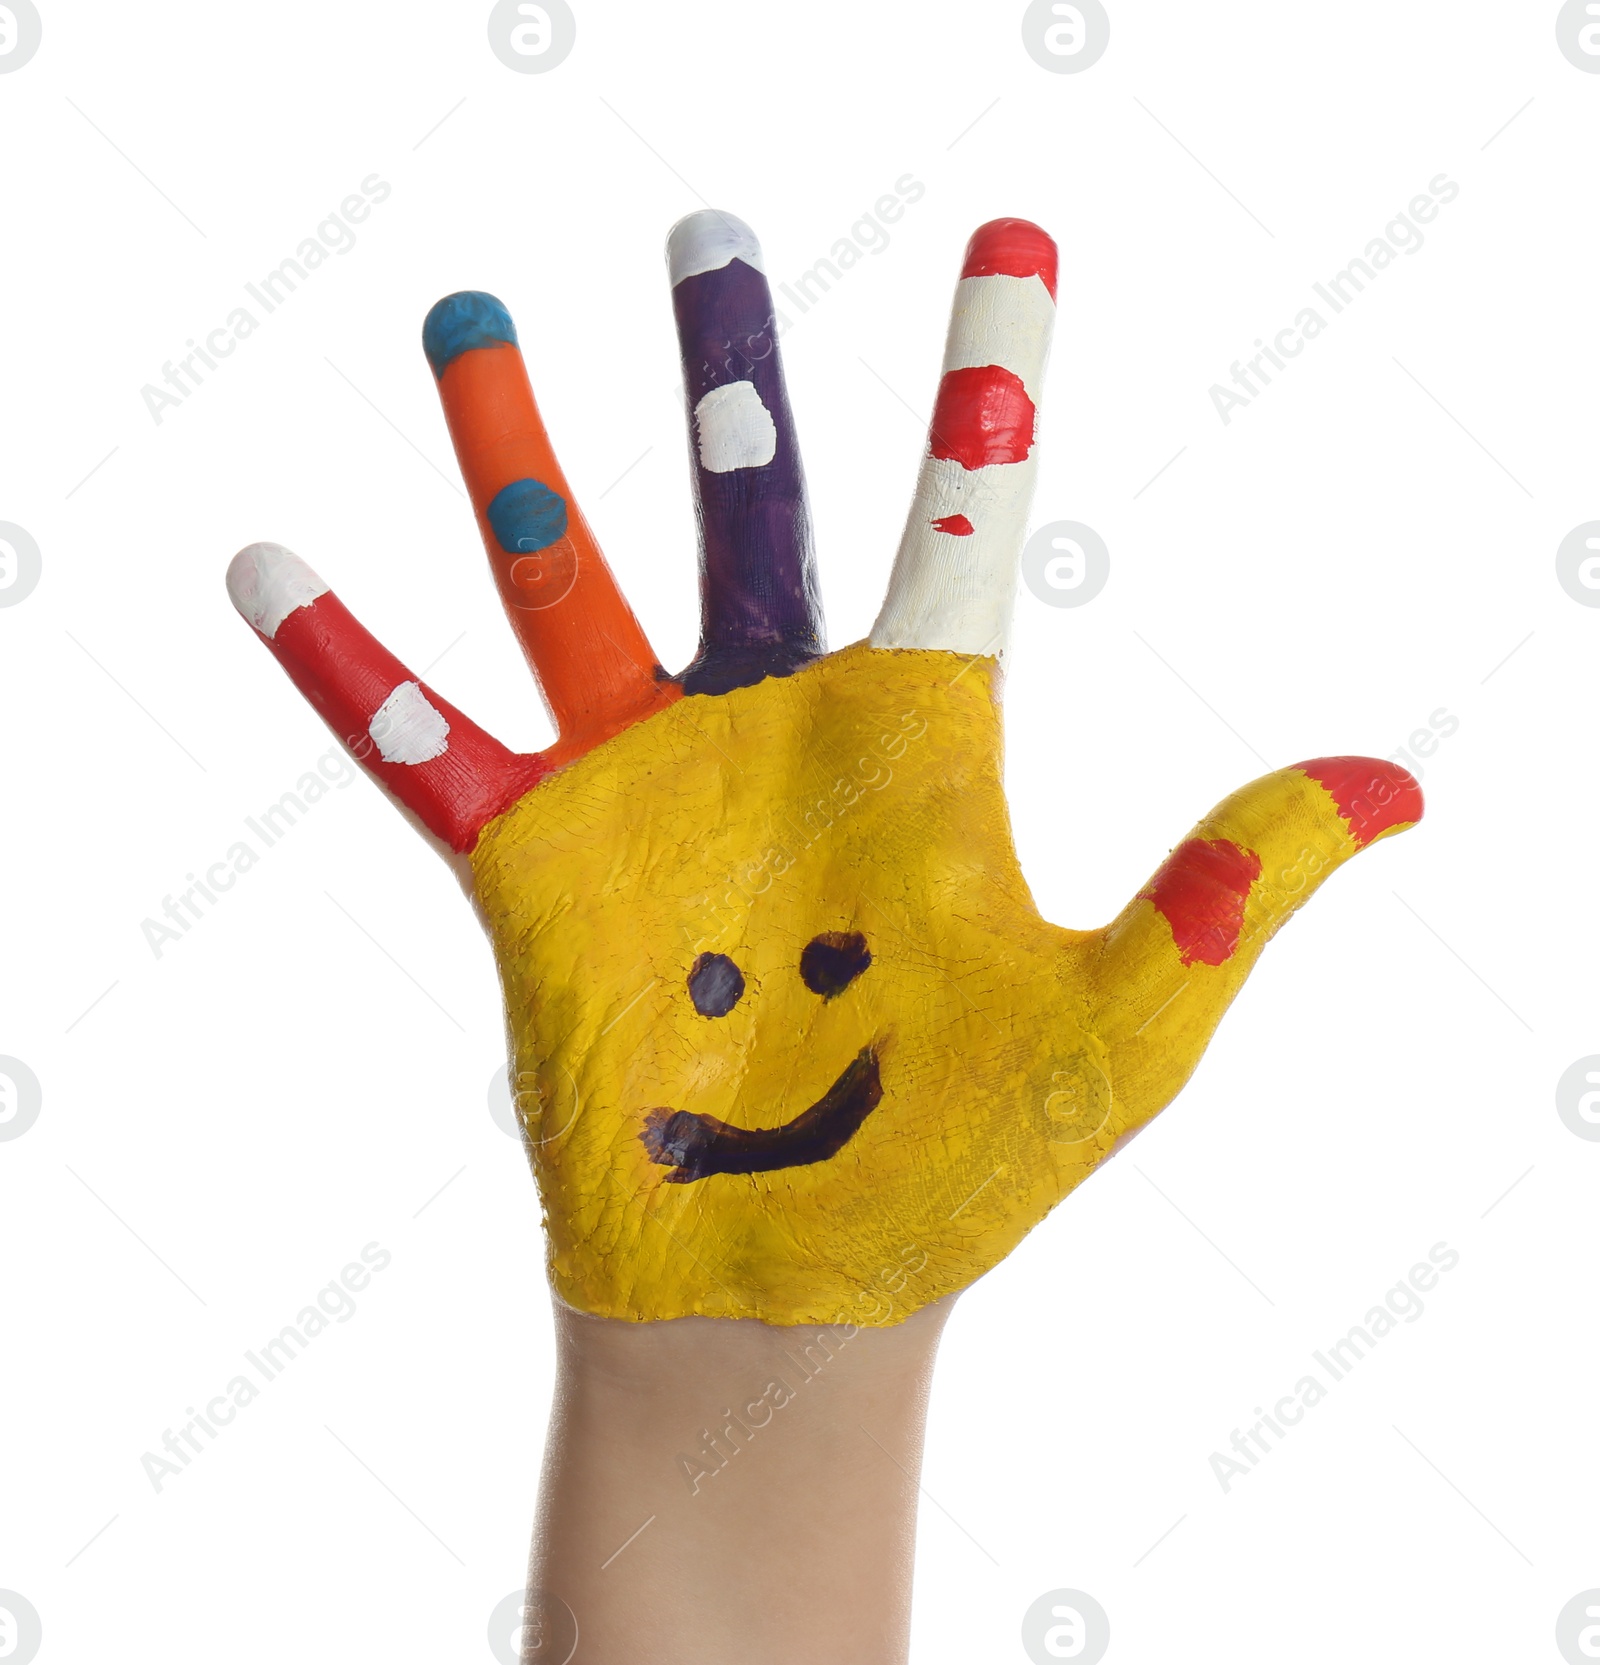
<point>1373,796</point>
<point>707,240</point>
<point>1012,248</point>
<point>470,318</point>
<point>267,582</point>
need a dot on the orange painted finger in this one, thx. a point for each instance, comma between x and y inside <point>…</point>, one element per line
<point>1171,963</point>
<point>596,668</point>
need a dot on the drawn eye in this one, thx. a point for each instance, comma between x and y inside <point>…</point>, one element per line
<point>830,963</point>
<point>715,985</point>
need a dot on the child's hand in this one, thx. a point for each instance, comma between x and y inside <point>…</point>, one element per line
<point>792,1042</point>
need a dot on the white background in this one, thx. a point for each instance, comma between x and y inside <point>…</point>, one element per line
<point>226,1125</point>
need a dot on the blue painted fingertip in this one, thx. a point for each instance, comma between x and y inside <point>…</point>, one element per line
<point>527,517</point>
<point>462,321</point>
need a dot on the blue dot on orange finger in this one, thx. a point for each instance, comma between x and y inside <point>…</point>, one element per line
<point>470,318</point>
<point>526,517</point>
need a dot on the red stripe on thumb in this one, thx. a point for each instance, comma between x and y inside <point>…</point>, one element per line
<point>1200,891</point>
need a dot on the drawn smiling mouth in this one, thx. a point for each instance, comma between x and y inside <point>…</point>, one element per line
<point>696,1146</point>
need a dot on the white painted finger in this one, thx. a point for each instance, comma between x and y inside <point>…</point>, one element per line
<point>956,571</point>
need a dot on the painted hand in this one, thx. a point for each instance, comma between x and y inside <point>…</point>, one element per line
<point>792,1041</point>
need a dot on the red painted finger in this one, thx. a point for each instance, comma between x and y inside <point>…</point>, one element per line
<point>438,763</point>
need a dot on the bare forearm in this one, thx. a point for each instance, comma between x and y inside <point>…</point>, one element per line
<point>717,1491</point>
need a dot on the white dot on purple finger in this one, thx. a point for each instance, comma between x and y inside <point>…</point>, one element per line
<point>734,429</point>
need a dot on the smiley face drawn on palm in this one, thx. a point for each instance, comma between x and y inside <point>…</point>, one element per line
<point>791,1039</point>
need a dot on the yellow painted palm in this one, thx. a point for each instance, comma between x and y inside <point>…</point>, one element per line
<point>791,1041</point>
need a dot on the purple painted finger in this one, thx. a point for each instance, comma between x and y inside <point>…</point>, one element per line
<point>760,614</point>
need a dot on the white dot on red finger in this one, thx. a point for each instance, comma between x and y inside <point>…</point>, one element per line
<point>408,727</point>
<point>734,429</point>
<point>267,582</point>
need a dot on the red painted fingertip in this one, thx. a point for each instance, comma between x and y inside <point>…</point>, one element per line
<point>1373,796</point>
<point>1012,248</point>
<point>1200,891</point>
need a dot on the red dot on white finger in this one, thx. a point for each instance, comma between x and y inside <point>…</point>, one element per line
<point>267,582</point>
<point>408,727</point>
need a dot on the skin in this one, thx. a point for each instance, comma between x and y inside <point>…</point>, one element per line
<point>800,1533</point>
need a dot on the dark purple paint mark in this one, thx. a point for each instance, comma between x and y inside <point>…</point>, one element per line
<point>715,985</point>
<point>830,963</point>
<point>759,606</point>
<point>696,1146</point>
